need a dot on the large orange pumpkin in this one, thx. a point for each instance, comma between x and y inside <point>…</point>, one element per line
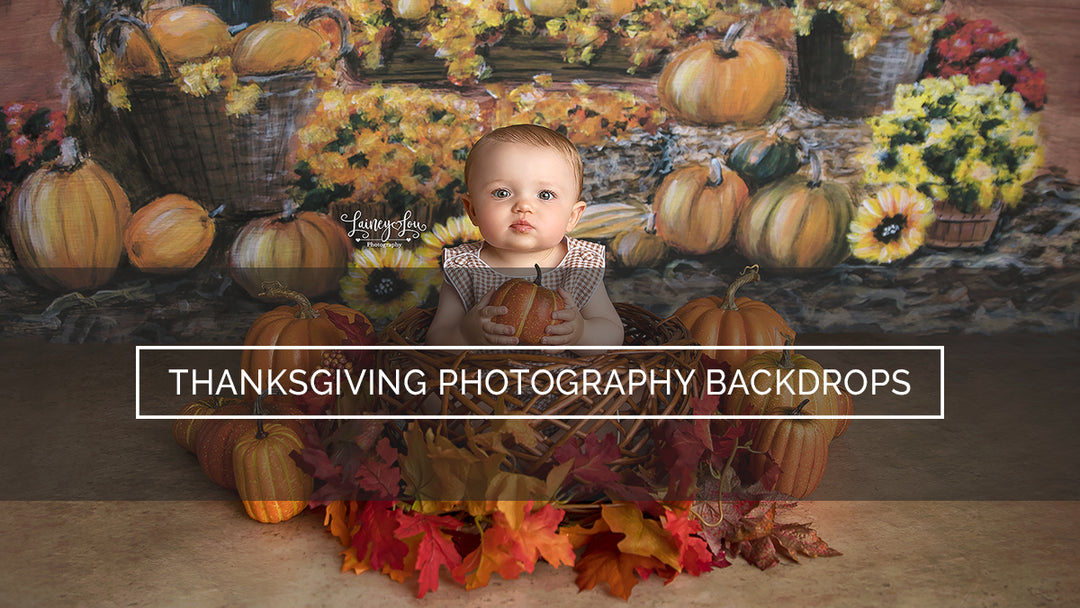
<point>303,324</point>
<point>189,33</point>
<point>735,81</point>
<point>308,251</point>
<point>734,321</point>
<point>799,446</point>
<point>170,234</point>
<point>696,207</point>
<point>272,487</point>
<point>821,402</point>
<point>217,436</point>
<point>67,221</point>
<point>797,222</point>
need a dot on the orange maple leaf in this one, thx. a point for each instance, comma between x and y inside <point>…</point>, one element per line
<point>494,555</point>
<point>538,536</point>
<point>603,562</point>
<point>641,536</point>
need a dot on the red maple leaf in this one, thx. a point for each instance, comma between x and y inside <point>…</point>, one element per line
<point>357,333</point>
<point>694,555</point>
<point>380,474</point>
<point>375,537</point>
<point>436,549</point>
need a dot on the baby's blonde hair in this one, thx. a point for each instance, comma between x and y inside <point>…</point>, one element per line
<point>534,135</point>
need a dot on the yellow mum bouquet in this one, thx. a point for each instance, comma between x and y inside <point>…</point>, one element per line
<point>969,145</point>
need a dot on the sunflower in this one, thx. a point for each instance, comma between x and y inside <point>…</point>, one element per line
<point>383,282</point>
<point>456,231</point>
<point>890,225</point>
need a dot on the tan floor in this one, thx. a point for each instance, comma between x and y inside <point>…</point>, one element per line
<point>1010,418</point>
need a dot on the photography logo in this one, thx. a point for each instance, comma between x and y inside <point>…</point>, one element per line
<point>378,232</point>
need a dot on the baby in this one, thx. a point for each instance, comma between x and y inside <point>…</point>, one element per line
<point>524,187</point>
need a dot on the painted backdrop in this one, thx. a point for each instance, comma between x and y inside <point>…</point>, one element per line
<point>883,177</point>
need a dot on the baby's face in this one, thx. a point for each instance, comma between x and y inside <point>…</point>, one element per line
<point>523,197</point>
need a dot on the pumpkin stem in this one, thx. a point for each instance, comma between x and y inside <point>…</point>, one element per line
<point>70,157</point>
<point>785,359</point>
<point>815,169</point>
<point>650,223</point>
<point>726,48</point>
<point>216,212</point>
<point>537,279</point>
<point>257,409</point>
<point>748,275</point>
<point>716,172</point>
<point>798,408</point>
<point>276,289</point>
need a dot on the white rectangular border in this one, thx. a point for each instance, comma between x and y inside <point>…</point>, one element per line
<point>141,347</point>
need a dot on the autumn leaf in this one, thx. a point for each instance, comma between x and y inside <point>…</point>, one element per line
<point>375,540</point>
<point>435,548</point>
<point>641,536</point>
<point>591,459</point>
<point>538,537</point>
<point>793,539</point>
<point>494,555</point>
<point>603,562</point>
<point>379,474</point>
<point>694,555</point>
<point>336,520</point>
<point>356,334</point>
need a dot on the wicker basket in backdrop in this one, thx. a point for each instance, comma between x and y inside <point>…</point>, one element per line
<point>191,146</point>
<point>641,328</point>
<point>835,84</point>
<point>953,228</point>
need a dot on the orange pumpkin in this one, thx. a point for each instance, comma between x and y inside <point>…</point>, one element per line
<point>189,33</point>
<point>170,234</point>
<point>272,487</point>
<point>797,222</point>
<point>304,324</point>
<point>308,251</point>
<point>529,307</point>
<point>186,430</point>
<point>271,47</point>
<point>638,247</point>
<point>66,223</point>
<point>217,437</point>
<point>696,207</point>
<point>734,321</point>
<point>136,54</point>
<point>735,81</point>
<point>799,446</point>
<point>821,402</point>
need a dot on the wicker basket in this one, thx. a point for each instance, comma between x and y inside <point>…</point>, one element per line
<point>190,145</point>
<point>641,328</point>
<point>835,84</point>
<point>952,228</point>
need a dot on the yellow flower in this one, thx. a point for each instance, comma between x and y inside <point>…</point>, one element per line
<point>383,282</point>
<point>242,99</point>
<point>891,225</point>
<point>456,231</point>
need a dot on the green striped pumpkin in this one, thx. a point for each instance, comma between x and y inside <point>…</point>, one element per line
<point>797,223</point>
<point>764,158</point>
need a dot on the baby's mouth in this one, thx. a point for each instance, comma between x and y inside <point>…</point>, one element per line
<point>521,226</point>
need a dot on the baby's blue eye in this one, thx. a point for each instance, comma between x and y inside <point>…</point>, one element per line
<point>501,193</point>
<point>546,195</point>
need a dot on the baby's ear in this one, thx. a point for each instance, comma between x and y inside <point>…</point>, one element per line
<point>575,215</point>
<point>467,203</point>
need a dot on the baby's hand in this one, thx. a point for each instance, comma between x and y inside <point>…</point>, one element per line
<point>479,328</point>
<point>569,331</point>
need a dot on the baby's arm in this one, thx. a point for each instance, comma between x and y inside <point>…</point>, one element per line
<point>455,326</point>
<point>596,324</point>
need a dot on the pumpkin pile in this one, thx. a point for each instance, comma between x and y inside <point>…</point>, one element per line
<point>800,446</point>
<point>189,34</point>
<point>751,330</point>
<point>252,455</point>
